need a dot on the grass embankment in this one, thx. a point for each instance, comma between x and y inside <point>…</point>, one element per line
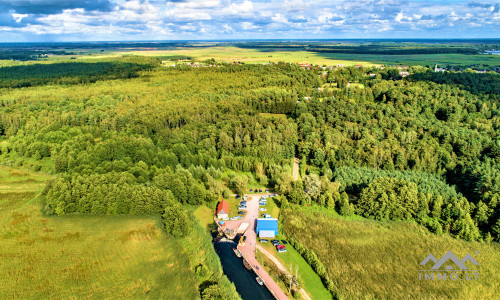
<point>83,256</point>
<point>202,255</point>
<point>294,262</point>
<point>370,259</point>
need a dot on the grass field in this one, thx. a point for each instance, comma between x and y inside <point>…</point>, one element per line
<point>293,261</point>
<point>374,260</point>
<point>83,256</point>
<point>235,54</point>
<point>271,208</point>
<point>233,206</point>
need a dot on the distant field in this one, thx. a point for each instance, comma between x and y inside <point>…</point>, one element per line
<point>83,256</point>
<point>230,54</point>
<point>374,260</point>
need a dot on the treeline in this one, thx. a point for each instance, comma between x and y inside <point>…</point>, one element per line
<point>487,84</point>
<point>318,267</point>
<point>24,55</point>
<point>67,73</point>
<point>375,48</point>
<point>390,50</point>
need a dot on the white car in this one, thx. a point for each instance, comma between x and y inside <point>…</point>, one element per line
<point>262,209</point>
<point>234,218</point>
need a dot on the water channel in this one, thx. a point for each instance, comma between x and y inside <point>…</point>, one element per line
<point>243,279</point>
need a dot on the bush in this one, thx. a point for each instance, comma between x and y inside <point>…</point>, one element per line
<point>176,220</point>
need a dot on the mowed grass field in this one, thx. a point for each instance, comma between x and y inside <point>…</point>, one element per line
<point>373,260</point>
<point>235,54</point>
<point>83,256</point>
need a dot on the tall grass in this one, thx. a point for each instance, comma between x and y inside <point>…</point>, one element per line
<point>370,259</point>
<point>83,256</point>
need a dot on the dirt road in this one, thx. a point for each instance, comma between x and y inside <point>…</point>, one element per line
<point>295,168</point>
<point>281,267</point>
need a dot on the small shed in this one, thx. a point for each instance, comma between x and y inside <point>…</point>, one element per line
<point>267,228</point>
<point>223,209</point>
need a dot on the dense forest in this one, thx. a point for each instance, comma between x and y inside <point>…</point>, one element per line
<point>140,138</point>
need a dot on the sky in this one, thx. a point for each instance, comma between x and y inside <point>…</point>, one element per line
<point>126,20</point>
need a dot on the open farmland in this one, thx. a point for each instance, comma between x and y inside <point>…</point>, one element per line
<point>235,54</point>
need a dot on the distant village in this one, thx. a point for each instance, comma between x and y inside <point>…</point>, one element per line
<point>403,70</point>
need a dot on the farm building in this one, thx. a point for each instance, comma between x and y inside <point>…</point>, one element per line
<point>223,209</point>
<point>267,228</point>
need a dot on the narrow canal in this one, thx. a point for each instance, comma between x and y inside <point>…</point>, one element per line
<point>243,279</point>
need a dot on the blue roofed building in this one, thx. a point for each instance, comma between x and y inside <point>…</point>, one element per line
<point>267,228</point>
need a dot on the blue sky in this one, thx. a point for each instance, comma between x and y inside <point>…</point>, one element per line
<point>105,20</point>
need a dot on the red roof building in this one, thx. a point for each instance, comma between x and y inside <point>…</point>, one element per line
<point>223,209</point>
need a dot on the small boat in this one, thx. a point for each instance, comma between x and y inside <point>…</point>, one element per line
<point>237,252</point>
<point>259,280</point>
<point>247,265</point>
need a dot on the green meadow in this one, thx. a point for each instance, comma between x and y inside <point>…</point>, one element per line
<point>380,260</point>
<point>83,256</point>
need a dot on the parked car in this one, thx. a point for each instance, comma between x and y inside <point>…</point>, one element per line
<point>263,241</point>
<point>237,196</point>
<point>267,190</point>
<point>251,190</point>
<point>262,209</point>
<point>267,216</point>
<point>260,190</point>
<point>241,213</point>
<point>281,250</point>
<point>284,242</point>
<point>245,198</point>
<point>242,207</point>
<point>275,242</point>
<point>262,203</point>
<point>243,203</point>
<point>279,246</point>
<point>234,218</point>
<point>263,215</point>
<point>238,217</point>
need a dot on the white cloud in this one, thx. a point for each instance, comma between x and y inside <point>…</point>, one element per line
<point>19,17</point>
<point>274,18</point>
<point>245,7</point>
<point>198,4</point>
<point>399,17</point>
